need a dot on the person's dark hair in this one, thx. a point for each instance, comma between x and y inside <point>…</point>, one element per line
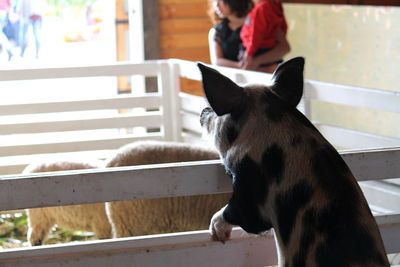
<point>239,7</point>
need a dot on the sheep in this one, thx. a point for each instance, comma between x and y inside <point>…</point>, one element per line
<point>134,217</point>
<point>164,215</point>
<point>88,217</point>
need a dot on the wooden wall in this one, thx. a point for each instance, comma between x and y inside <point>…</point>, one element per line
<point>184,26</point>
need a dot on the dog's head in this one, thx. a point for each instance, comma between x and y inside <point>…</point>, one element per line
<point>244,116</point>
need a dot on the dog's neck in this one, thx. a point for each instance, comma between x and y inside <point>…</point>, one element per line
<point>312,219</point>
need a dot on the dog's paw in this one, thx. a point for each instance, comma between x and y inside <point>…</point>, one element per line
<point>220,230</point>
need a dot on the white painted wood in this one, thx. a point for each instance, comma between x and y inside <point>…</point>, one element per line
<point>352,139</point>
<point>191,122</point>
<point>84,144</point>
<point>190,70</point>
<point>16,164</point>
<point>174,90</point>
<point>150,119</point>
<point>252,77</point>
<point>148,68</point>
<point>373,164</point>
<point>305,103</point>
<point>187,69</point>
<point>136,51</point>
<point>124,183</point>
<point>389,225</point>
<point>136,34</point>
<point>394,181</point>
<point>168,85</point>
<point>355,96</point>
<point>164,83</point>
<point>179,249</point>
<point>192,103</point>
<point>321,91</point>
<point>154,181</point>
<point>382,194</point>
<point>117,102</point>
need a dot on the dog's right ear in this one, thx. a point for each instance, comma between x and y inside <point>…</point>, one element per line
<point>222,93</point>
<point>288,80</point>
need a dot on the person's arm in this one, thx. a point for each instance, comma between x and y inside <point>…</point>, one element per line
<point>275,54</point>
<point>216,55</point>
<point>260,25</point>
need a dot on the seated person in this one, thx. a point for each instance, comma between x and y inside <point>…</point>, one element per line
<point>264,32</point>
<point>224,38</point>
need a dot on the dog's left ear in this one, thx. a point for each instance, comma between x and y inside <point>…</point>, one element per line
<point>288,80</point>
<point>222,93</point>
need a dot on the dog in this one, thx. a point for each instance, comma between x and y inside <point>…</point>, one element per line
<point>286,175</point>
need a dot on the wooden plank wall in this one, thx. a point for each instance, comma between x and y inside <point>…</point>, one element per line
<point>184,26</point>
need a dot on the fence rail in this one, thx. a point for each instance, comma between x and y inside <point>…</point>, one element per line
<point>150,101</point>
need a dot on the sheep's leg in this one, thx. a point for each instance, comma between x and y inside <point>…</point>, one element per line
<point>39,225</point>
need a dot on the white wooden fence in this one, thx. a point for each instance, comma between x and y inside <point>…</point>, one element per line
<point>46,133</point>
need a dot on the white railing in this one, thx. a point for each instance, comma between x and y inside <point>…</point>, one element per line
<point>176,115</point>
<point>84,125</point>
<point>56,126</point>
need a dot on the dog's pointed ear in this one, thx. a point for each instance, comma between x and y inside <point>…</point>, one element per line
<point>222,93</point>
<point>288,80</point>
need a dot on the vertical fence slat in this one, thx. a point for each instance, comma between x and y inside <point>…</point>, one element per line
<point>168,85</point>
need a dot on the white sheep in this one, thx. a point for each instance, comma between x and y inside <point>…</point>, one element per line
<point>88,217</point>
<point>134,217</point>
<point>154,216</point>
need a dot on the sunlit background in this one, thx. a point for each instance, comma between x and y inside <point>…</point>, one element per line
<point>70,31</point>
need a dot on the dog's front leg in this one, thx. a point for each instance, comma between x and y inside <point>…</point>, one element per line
<point>220,229</point>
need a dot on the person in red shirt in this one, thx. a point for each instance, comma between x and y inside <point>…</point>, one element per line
<point>265,27</point>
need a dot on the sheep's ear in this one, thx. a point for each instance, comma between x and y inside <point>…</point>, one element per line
<point>288,80</point>
<point>222,93</point>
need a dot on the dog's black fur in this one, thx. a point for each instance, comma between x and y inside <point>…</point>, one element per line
<point>286,175</point>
